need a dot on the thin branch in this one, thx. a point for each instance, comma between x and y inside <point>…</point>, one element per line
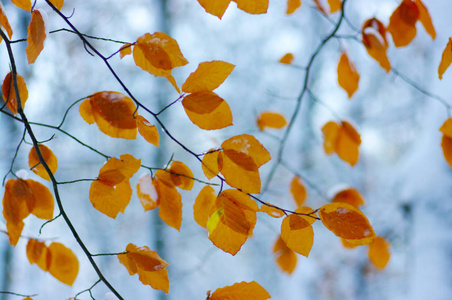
<point>88,290</point>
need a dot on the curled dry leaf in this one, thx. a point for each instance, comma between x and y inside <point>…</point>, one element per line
<point>347,75</point>
<point>9,93</point>
<point>374,39</point>
<point>285,257</point>
<point>37,34</point>
<point>49,158</point>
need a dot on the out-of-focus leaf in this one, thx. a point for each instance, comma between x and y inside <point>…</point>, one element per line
<point>350,196</point>
<point>63,263</point>
<point>215,7</point>
<point>347,75</point>
<point>24,4</point>
<point>57,3</point>
<point>446,59</point>
<point>379,252</point>
<point>287,59</point>
<point>125,50</point>
<point>446,145</point>
<point>342,139</point>
<point>374,39</point>
<point>4,21</point>
<point>49,158</point>
<point>298,191</point>
<point>271,120</point>
<point>292,6</point>
<point>285,257</point>
<point>425,19</point>
<point>9,93</point>
<point>208,76</point>
<point>242,290</point>
<point>402,24</point>
<point>253,6</point>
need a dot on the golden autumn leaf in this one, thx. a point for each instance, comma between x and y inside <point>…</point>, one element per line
<point>342,139</point>
<point>208,76</point>
<point>249,145</point>
<point>207,110</point>
<point>348,245</point>
<point>233,221</point>
<point>57,3</point>
<point>215,7</point>
<point>402,24</point>
<point>350,196</point>
<point>170,204</point>
<point>4,21</point>
<point>177,175</point>
<point>149,132</point>
<point>446,59</point>
<point>335,5</point>
<point>285,257</point>
<point>271,210</point>
<point>204,205</point>
<point>242,290</point>
<point>330,133</point>
<point>446,145</point>
<point>112,112</point>
<point>379,252</point>
<point>347,75</point>
<point>111,192</point>
<point>49,158</point>
<point>151,269</point>
<point>347,222</point>
<point>23,4</point>
<point>287,59</point>
<point>424,18</point>
<point>271,120</point>
<point>146,192</point>
<point>63,263</point>
<point>298,191</point>
<point>212,163</point>
<point>253,6</point>
<point>125,50</point>
<point>240,171</point>
<point>297,232</point>
<point>292,6</point>
<point>37,253</point>
<point>446,128</point>
<point>374,39</point>
<point>9,93</point>
<point>36,35</point>
<point>21,198</point>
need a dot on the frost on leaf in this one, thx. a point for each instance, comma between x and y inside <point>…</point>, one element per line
<point>446,59</point>
<point>287,59</point>
<point>149,132</point>
<point>242,290</point>
<point>49,158</point>
<point>208,76</point>
<point>342,139</point>
<point>151,269</point>
<point>297,232</point>
<point>285,257</point>
<point>112,112</point>
<point>347,75</point>
<point>292,6</point>
<point>111,192</point>
<point>298,191</point>
<point>347,222</point>
<point>270,120</point>
<point>232,221</point>
<point>4,21</point>
<point>146,192</point>
<point>204,205</point>
<point>36,35</point>
<point>374,39</point>
<point>9,93</point>
<point>379,252</point>
<point>21,198</point>
<point>350,196</point>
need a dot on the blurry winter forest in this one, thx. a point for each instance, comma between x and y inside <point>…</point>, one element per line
<point>401,172</point>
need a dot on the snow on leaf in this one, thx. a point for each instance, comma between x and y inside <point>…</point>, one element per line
<point>215,7</point>
<point>347,222</point>
<point>298,191</point>
<point>146,192</point>
<point>207,110</point>
<point>149,132</point>
<point>242,290</point>
<point>23,4</point>
<point>446,59</point>
<point>248,145</point>
<point>347,75</point>
<point>151,269</point>
<point>402,24</point>
<point>204,205</point>
<point>285,257</point>
<point>63,263</point>
<point>287,59</point>
<point>9,93</point>
<point>4,21</point>
<point>271,120</point>
<point>379,252</point>
<point>49,158</point>
<point>350,196</point>
<point>374,39</point>
<point>292,6</point>
<point>208,76</point>
<point>36,35</point>
<point>212,163</point>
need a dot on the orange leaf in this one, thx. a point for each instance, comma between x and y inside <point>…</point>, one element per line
<point>446,145</point>
<point>178,174</point>
<point>125,50</point>
<point>148,131</point>
<point>37,253</point>
<point>298,191</point>
<point>287,59</point>
<point>36,35</point>
<point>204,204</point>
<point>9,93</point>
<point>271,210</point>
<point>151,269</point>
<point>208,76</point>
<point>240,171</point>
<point>242,290</point>
<point>374,39</point>
<point>285,257</point>
<point>348,245</point>
<point>346,221</point>
<point>49,158</point>
<point>379,252</point>
<point>350,196</point>
<point>57,3</point>
<point>292,6</point>
<point>335,5</point>
<point>112,112</point>
<point>425,19</point>
<point>347,75</point>
<point>402,24</point>
<point>215,7</point>
<point>170,204</point>
<point>212,163</point>
<point>342,139</point>
<point>147,192</point>
<point>248,145</point>
<point>21,198</point>
<point>446,59</point>
<point>330,133</point>
<point>271,120</point>
<point>207,110</point>
<point>63,263</point>
<point>4,21</point>
<point>446,128</point>
<point>24,4</point>
<point>297,232</point>
<point>253,6</point>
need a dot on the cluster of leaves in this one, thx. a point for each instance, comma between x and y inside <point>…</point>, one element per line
<point>228,215</point>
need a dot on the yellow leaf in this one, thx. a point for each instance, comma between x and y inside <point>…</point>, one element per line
<point>204,204</point>
<point>271,210</point>
<point>4,21</point>
<point>402,24</point>
<point>297,232</point>
<point>63,263</point>
<point>151,269</point>
<point>57,3</point>
<point>271,120</point>
<point>347,75</point>
<point>446,145</point>
<point>39,199</point>
<point>350,196</point>
<point>242,290</point>
<point>335,5</point>
<point>208,76</point>
<point>249,145</point>
<point>212,163</point>
<point>24,4</point>
<point>49,158</point>
<point>446,59</point>
<point>125,50</point>
<point>374,39</point>
<point>346,221</point>
<point>446,128</point>
<point>287,59</point>
<point>178,174</point>
<point>37,253</point>
<point>253,6</point>
<point>36,36</point>
<point>330,133</point>
<point>149,132</point>
<point>425,19</point>
<point>207,110</point>
<point>379,252</point>
<point>170,204</point>
<point>215,7</point>
<point>348,245</point>
<point>298,191</point>
<point>240,171</point>
<point>292,6</point>
<point>342,139</point>
<point>285,257</point>
<point>146,192</point>
<point>9,93</point>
